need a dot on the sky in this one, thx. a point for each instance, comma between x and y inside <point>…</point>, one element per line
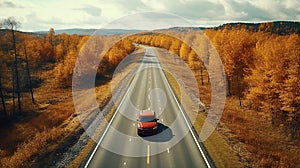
<point>37,15</point>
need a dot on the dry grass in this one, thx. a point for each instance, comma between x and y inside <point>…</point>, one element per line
<point>30,139</point>
<point>138,55</point>
<point>267,146</point>
<point>77,162</point>
<point>216,145</point>
<point>26,152</point>
<point>37,129</point>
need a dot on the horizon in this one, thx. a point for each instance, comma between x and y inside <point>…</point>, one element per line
<point>195,26</point>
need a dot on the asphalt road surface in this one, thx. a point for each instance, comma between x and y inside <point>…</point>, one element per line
<point>175,145</point>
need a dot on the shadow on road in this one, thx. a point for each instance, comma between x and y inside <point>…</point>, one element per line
<point>164,134</point>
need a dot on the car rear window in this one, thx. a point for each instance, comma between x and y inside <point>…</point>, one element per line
<point>147,119</point>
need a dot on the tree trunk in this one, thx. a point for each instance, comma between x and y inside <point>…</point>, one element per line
<point>293,126</point>
<point>208,80</point>
<point>2,97</point>
<point>13,90</point>
<point>229,87</point>
<point>16,69</point>
<point>238,88</point>
<point>28,74</point>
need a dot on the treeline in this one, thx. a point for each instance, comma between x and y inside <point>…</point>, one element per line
<point>180,48</point>
<point>277,27</point>
<point>91,49</point>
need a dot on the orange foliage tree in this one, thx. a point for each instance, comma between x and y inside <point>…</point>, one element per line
<point>263,69</point>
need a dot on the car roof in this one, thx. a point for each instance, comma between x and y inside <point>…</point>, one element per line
<point>147,113</point>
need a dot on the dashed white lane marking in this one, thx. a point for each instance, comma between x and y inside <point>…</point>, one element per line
<point>124,163</point>
<point>133,124</point>
<point>148,154</point>
<point>168,150</point>
<point>129,139</point>
<point>162,120</point>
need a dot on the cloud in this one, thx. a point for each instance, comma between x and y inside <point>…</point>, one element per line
<point>96,13</point>
<point>291,4</point>
<point>9,4</point>
<point>279,10</point>
<point>91,10</point>
<point>202,9</point>
<point>245,11</point>
<point>148,21</point>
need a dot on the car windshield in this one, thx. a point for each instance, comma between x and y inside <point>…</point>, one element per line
<point>147,119</point>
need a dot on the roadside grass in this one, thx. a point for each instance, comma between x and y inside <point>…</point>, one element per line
<point>245,138</point>
<point>85,153</point>
<point>88,148</point>
<point>28,135</point>
<point>218,148</point>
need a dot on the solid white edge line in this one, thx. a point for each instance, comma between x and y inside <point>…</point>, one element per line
<point>148,154</point>
<point>194,137</point>
<point>107,127</point>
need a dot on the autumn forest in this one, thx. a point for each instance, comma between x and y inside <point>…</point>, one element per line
<point>262,67</point>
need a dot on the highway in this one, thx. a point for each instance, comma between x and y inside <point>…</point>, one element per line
<point>175,145</point>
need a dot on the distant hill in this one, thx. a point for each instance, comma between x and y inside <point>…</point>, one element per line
<point>3,31</point>
<point>183,29</point>
<point>276,27</point>
<point>91,31</point>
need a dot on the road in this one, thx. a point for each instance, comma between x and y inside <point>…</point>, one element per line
<point>174,146</point>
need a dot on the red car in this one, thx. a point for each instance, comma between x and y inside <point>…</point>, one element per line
<point>147,122</point>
